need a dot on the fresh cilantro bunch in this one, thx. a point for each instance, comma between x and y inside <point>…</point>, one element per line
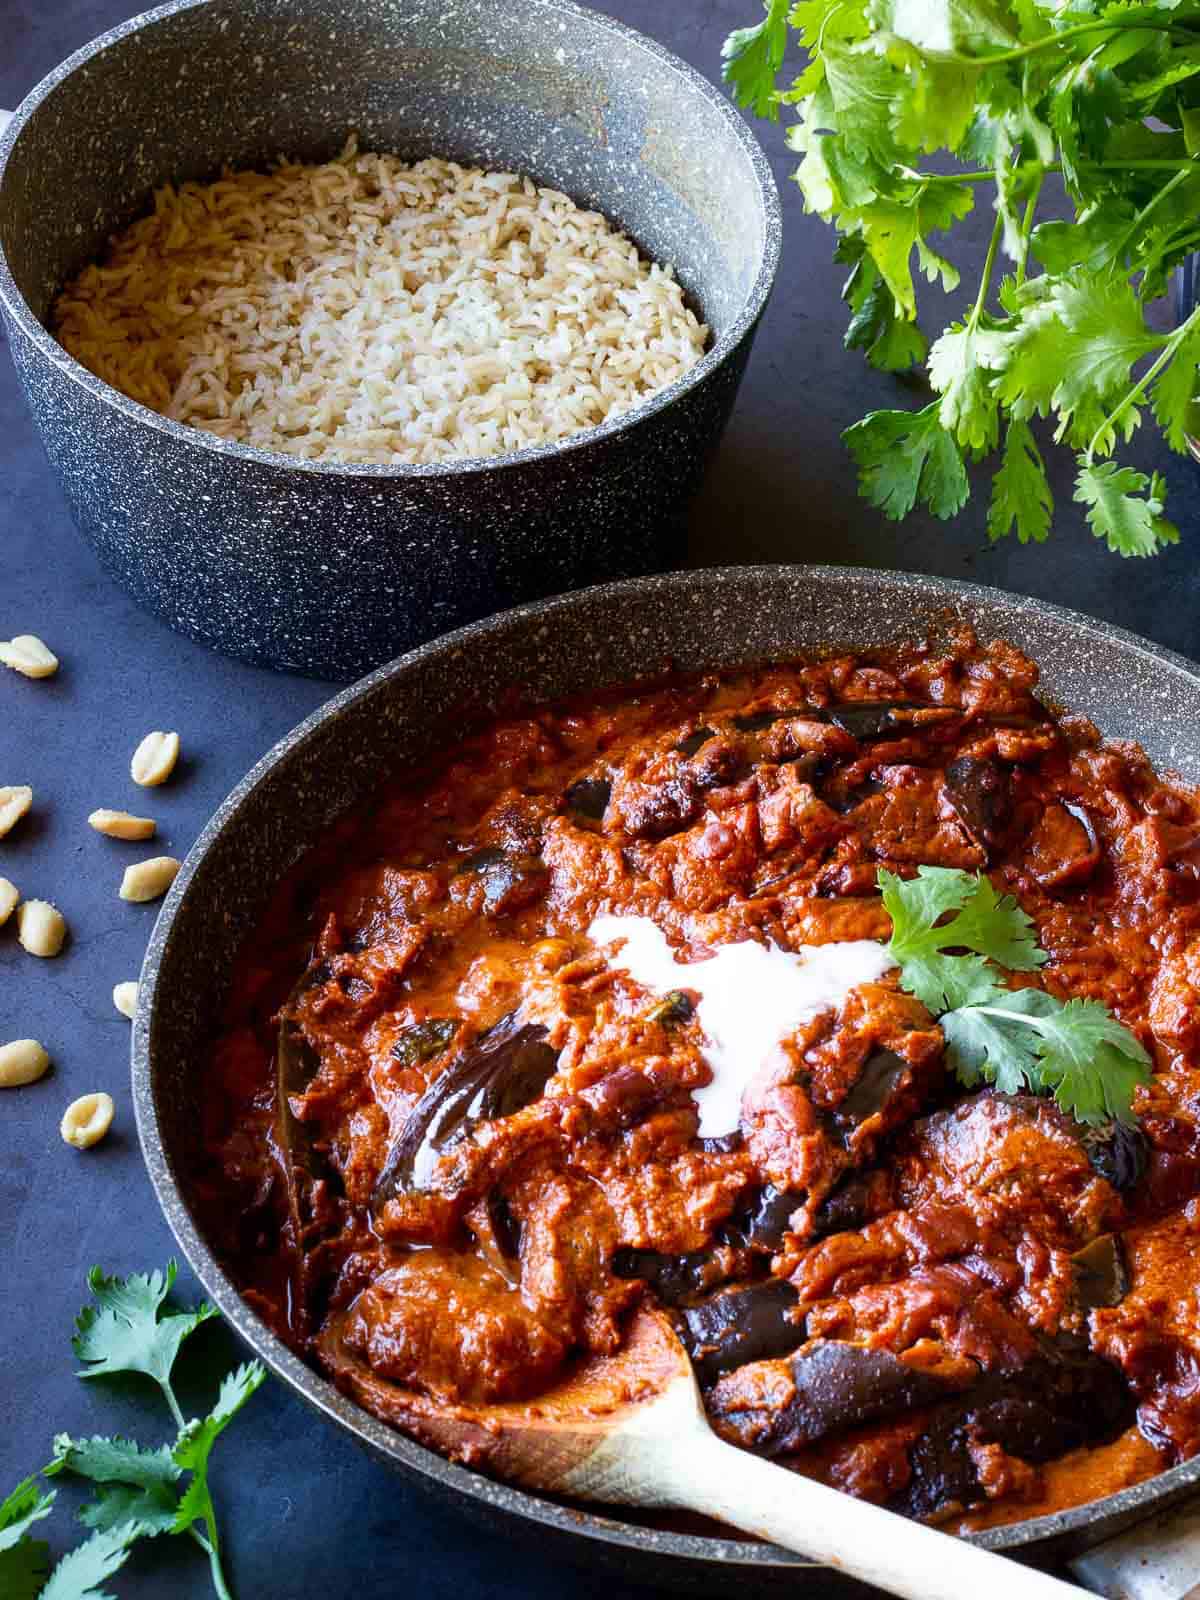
<point>951,932</point>
<point>1104,93</point>
<point>138,1490</point>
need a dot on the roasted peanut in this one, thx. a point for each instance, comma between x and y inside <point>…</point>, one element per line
<point>154,759</point>
<point>10,897</point>
<point>40,928</point>
<point>28,655</point>
<point>125,998</point>
<point>146,880</point>
<point>122,825</point>
<point>15,801</point>
<point>23,1061</point>
<point>87,1120</point>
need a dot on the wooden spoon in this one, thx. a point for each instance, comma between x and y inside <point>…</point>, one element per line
<point>630,1429</point>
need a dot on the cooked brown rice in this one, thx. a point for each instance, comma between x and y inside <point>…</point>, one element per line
<point>367,310</point>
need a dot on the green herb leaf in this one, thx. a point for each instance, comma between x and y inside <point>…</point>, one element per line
<point>983,1048</point>
<point>123,1331</point>
<point>1021,496</point>
<point>752,58</point>
<point>24,1562</point>
<point>943,909</point>
<point>79,1574</point>
<point>1014,92</point>
<point>906,456</point>
<point>1090,1061</point>
<point>136,1485</point>
<point>195,1444</point>
<point>951,933</point>
<point>1174,393</point>
<point>957,370</point>
<point>1129,524</point>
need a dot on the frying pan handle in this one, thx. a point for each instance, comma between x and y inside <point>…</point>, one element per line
<point>1159,1559</point>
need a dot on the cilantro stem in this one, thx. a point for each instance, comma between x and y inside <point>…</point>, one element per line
<point>213,1562</point>
<point>986,279</point>
<point>1027,226</point>
<point>169,1395</point>
<point>1051,40</point>
<point>1182,166</point>
<point>1143,383</point>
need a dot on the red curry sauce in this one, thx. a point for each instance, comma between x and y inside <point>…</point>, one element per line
<point>478,1145</point>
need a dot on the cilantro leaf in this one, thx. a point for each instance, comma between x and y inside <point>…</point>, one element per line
<point>24,1562</point>
<point>1015,1039</point>
<point>123,1331</point>
<point>1021,494</point>
<point>957,370</point>
<point>906,456</point>
<point>1070,348</point>
<point>983,1048</point>
<point>20,1510</point>
<point>1014,91</point>
<point>1090,1061</point>
<point>79,1574</point>
<point>891,342</point>
<point>752,58</point>
<point>991,926</point>
<point>1130,525</point>
<point>135,1485</point>
<point>1174,392</point>
<point>195,1446</point>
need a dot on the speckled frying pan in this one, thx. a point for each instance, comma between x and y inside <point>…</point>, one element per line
<point>1131,689</point>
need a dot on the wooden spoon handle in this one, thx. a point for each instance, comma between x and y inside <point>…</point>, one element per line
<point>906,1558</point>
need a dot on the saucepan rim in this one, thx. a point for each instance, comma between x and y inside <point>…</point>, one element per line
<point>691,82</point>
<point>698,588</point>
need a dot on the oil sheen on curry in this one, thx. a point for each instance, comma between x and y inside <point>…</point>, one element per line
<point>596,1009</point>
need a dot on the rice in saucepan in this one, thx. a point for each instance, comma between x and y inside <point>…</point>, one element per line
<point>367,310</point>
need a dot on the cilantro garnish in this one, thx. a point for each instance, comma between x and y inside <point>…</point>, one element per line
<point>953,937</point>
<point>125,1330</point>
<point>753,57</point>
<point>1104,100</point>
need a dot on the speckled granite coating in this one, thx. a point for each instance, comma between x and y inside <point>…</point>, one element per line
<point>721,617</point>
<point>329,569</point>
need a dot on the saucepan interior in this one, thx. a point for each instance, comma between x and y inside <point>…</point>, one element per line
<point>407,710</point>
<point>540,87</point>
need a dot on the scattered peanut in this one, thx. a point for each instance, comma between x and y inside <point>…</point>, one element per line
<point>154,759</point>
<point>146,880</point>
<point>87,1120</point>
<point>40,928</point>
<point>15,801</point>
<point>122,825</point>
<point>10,897</point>
<point>28,655</point>
<point>21,1062</point>
<point>125,998</point>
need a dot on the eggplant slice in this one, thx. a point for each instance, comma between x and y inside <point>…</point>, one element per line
<point>1064,1398</point>
<point>296,1065</point>
<point>830,1386</point>
<point>505,1069</point>
<point>739,1326</point>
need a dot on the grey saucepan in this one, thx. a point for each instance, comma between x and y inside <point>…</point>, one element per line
<point>330,569</point>
<point>603,636</point>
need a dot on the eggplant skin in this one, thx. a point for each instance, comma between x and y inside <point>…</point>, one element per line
<point>1063,1399</point>
<point>505,1069</point>
<point>830,1385</point>
<point>739,1326</point>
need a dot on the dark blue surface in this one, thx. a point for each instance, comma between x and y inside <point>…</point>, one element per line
<point>304,1512</point>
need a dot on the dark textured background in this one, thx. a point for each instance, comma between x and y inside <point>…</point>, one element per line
<point>304,1512</point>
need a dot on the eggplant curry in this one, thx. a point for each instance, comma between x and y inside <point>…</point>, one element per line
<point>605,1005</point>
